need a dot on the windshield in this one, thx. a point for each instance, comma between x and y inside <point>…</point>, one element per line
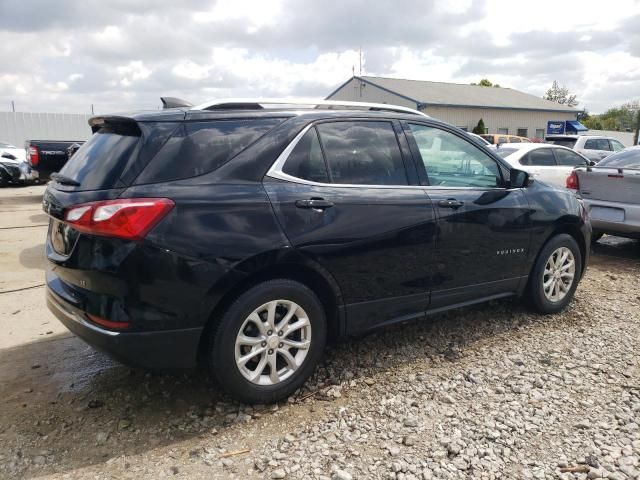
<point>624,159</point>
<point>565,142</point>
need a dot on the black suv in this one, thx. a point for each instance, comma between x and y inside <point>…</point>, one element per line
<point>245,236</point>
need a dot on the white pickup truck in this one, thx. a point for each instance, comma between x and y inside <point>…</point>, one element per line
<point>611,192</point>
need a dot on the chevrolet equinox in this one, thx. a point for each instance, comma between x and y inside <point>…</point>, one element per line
<point>244,235</point>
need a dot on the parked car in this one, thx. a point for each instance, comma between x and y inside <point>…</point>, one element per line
<point>47,156</point>
<point>13,168</point>
<point>499,139</point>
<point>611,191</point>
<point>245,235</point>
<point>477,137</point>
<point>593,147</point>
<point>543,161</point>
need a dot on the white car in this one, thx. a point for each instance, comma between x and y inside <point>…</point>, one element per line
<point>546,162</point>
<point>594,147</point>
<point>14,168</point>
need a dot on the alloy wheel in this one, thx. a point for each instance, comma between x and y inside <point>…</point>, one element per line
<point>558,275</point>
<point>273,342</point>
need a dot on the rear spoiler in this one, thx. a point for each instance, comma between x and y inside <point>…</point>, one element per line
<point>127,124</point>
<point>619,169</point>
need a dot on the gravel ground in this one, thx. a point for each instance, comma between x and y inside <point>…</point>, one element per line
<point>489,392</point>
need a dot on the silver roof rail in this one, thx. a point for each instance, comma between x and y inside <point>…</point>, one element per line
<point>295,104</point>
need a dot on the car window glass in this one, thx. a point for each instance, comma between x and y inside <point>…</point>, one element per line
<point>196,148</point>
<point>597,144</point>
<point>542,157</point>
<point>452,161</point>
<point>616,145</point>
<point>306,160</point>
<point>362,153</point>
<point>568,157</point>
<point>565,142</point>
<point>514,140</point>
<point>625,159</point>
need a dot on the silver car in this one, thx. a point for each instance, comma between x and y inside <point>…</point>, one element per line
<point>611,192</point>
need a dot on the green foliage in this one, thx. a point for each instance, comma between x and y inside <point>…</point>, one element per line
<point>485,82</point>
<point>622,118</point>
<point>561,95</point>
<point>479,129</point>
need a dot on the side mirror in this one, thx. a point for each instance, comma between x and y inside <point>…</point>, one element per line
<point>592,163</point>
<point>519,178</point>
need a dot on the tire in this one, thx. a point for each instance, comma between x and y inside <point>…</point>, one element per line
<point>226,345</point>
<point>595,236</point>
<point>544,301</point>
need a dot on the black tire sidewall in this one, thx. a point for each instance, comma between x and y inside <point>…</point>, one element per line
<point>221,354</point>
<point>536,292</point>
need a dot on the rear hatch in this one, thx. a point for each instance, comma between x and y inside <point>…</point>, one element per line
<point>101,170</point>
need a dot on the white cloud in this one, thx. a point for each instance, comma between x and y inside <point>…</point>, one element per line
<point>120,55</point>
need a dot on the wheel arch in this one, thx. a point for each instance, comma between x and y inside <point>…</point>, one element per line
<point>290,265</point>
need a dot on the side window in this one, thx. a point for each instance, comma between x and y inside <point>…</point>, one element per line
<point>453,162</point>
<point>306,160</point>
<point>568,158</point>
<point>196,148</point>
<point>597,144</point>
<point>362,153</point>
<point>542,157</point>
<point>514,140</point>
<point>616,146</point>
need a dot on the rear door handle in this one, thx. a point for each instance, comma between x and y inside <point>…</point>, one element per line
<point>450,203</point>
<point>317,203</point>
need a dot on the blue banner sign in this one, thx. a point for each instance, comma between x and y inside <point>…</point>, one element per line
<point>555,127</point>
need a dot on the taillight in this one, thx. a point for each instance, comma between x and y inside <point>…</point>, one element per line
<point>33,155</point>
<point>572,181</point>
<point>111,325</point>
<point>130,218</point>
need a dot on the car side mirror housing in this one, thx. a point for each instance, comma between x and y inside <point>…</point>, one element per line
<point>519,178</point>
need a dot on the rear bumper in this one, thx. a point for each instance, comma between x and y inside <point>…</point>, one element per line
<point>629,225</point>
<point>156,350</point>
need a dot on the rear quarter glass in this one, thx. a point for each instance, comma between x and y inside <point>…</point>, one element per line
<point>196,148</point>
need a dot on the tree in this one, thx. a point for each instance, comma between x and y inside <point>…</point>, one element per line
<point>485,82</point>
<point>561,95</point>
<point>479,129</point>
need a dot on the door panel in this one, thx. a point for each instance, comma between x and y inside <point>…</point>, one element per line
<point>483,229</point>
<point>481,246</point>
<point>378,243</point>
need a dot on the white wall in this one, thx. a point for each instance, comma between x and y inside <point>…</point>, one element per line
<point>16,127</point>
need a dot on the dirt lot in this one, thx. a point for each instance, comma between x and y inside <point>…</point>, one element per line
<point>487,392</point>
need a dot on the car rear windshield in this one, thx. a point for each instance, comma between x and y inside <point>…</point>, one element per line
<point>196,148</point>
<point>99,162</point>
<point>565,142</point>
<point>625,159</point>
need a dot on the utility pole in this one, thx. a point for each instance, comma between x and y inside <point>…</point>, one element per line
<point>13,106</point>
<point>360,58</point>
<point>92,109</point>
<point>635,137</point>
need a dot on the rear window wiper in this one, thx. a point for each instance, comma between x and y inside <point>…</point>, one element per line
<point>64,180</point>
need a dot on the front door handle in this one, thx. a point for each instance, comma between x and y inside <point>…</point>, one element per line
<point>316,203</point>
<point>450,203</point>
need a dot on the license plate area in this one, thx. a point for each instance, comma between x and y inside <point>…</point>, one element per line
<point>62,236</point>
<point>608,214</point>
